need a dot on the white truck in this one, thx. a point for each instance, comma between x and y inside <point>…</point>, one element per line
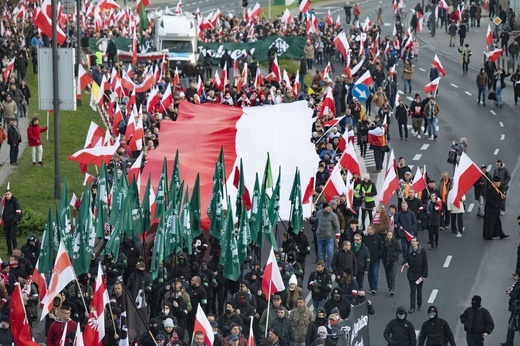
<point>178,34</point>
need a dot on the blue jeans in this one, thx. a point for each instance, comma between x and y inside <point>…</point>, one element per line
<point>316,304</point>
<point>499,92</point>
<point>407,82</point>
<point>326,245</point>
<point>373,274</point>
<point>482,92</point>
<point>187,81</point>
<point>432,126</point>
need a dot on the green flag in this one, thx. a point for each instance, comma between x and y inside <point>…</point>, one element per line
<point>244,235</point>
<point>65,218</point>
<point>175,179</point>
<point>131,214</point>
<point>296,217</point>
<point>160,200</point>
<point>114,241</point>
<point>229,257</point>
<point>102,194</point>
<point>84,236</point>
<point>195,208</point>
<point>185,223</point>
<point>267,180</point>
<point>120,192</point>
<point>146,207</point>
<point>100,223</point>
<point>215,204</point>
<point>256,212</point>
<point>241,189</point>
<point>45,261</point>
<point>158,249</point>
<point>274,203</point>
<point>56,234</point>
<point>144,23</point>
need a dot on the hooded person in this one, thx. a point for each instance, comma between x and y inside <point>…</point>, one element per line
<point>335,334</point>
<point>313,329</point>
<point>477,321</point>
<point>338,301</point>
<point>400,331</point>
<point>435,331</point>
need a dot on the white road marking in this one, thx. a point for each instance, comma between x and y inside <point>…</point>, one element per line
<point>501,124</point>
<point>489,168</point>
<point>468,93</point>
<point>496,152</point>
<point>409,98</point>
<point>400,92</point>
<point>425,147</point>
<point>453,85</point>
<point>417,157</point>
<point>411,166</point>
<point>387,24</point>
<point>433,296</point>
<point>417,332</point>
<point>502,137</point>
<point>437,128</point>
<point>420,68</point>
<point>447,262</point>
<point>470,208</point>
<point>493,112</point>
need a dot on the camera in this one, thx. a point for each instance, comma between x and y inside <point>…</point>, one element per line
<point>56,302</point>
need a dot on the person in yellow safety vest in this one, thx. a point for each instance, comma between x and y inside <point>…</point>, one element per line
<point>99,58</point>
<point>367,191</point>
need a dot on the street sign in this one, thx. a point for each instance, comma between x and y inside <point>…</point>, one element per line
<point>360,92</point>
<point>497,21</point>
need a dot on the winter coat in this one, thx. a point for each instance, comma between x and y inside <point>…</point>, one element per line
<point>477,321</point>
<point>408,72</point>
<point>320,285</point>
<point>374,244</point>
<point>400,332</point>
<point>343,304</point>
<point>482,80</point>
<point>301,318</point>
<point>328,225</point>
<point>362,259</point>
<point>436,332</point>
<point>407,220</point>
<point>309,51</point>
<point>417,264</point>
<point>391,251</point>
<point>33,134</point>
<point>343,259</point>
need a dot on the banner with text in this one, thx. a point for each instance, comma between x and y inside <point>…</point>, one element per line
<point>354,330</point>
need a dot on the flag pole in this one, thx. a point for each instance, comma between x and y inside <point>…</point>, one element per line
<point>80,292</point>
<point>140,316</point>
<point>268,306</point>
<point>110,309</point>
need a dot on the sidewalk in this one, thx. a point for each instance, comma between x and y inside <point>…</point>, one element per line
<point>5,168</point>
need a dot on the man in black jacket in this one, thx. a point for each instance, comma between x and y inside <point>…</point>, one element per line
<point>344,259</point>
<point>14,138</point>
<point>320,285</point>
<point>10,218</point>
<point>477,321</point>
<point>374,243</point>
<point>435,331</point>
<point>111,51</point>
<point>400,331</point>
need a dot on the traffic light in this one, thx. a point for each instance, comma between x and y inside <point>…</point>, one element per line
<point>244,3</point>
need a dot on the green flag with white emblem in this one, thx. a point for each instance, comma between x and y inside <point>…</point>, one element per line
<point>296,216</point>
<point>244,235</point>
<point>229,257</point>
<point>215,204</point>
<point>195,208</point>
<point>45,261</point>
<point>162,189</point>
<point>84,236</point>
<point>185,223</point>
<point>256,211</point>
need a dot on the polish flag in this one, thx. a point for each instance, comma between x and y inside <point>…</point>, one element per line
<point>272,280</point>
<point>39,280</point>
<point>349,159</point>
<point>341,43</point>
<point>312,24</point>
<point>200,87</point>
<point>152,100</point>
<point>349,196</point>
<point>216,81</point>
<point>494,54</point>
<point>328,105</point>
<point>296,85</point>
<point>20,328</point>
<point>94,136</point>
<point>89,178</point>
<point>251,338</point>
<point>134,47</point>
<point>335,186</point>
<point>337,24</point>
<point>147,84</point>
<point>247,196</point>
<point>74,202</point>
<point>9,69</point>
<point>408,236</point>
<point>135,171</point>
<point>224,77</point>
<point>328,19</point>
<point>43,22</point>
<point>286,78</point>
<point>392,163</point>
<point>396,7</point>
<point>305,5</point>
<point>62,274</point>
<point>101,93</point>
<point>127,81</point>
<point>486,4</point>
<point>418,27</point>
<point>326,71</point>
<point>136,142</point>
<point>108,5</point>
<point>256,11</point>
<point>366,79</point>
<point>444,4</point>
<point>418,182</point>
<point>489,37</point>
<point>275,69</point>
<point>375,47</point>
<point>458,13</point>
<point>432,86</point>
<point>287,17</point>
<point>167,98</point>
<point>78,338</point>
<point>309,190</point>
<point>84,79</point>
<point>93,156</point>
<point>438,64</point>
<point>118,117</point>
<point>202,325</point>
<point>95,326</point>
<point>390,184</point>
<point>466,174</point>
<point>176,78</point>
<point>347,70</point>
<point>259,80</point>
<point>236,69</point>
<point>178,8</point>
<point>391,72</point>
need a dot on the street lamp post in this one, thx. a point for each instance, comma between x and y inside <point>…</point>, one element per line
<point>56,106</point>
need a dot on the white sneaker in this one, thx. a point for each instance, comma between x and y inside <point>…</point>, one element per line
<point>459,234</point>
<point>413,133</point>
<point>419,136</point>
<point>430,138</point>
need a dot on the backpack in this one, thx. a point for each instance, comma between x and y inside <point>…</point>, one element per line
<point>452,156</point>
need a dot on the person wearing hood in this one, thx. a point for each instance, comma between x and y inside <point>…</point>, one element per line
<point>229,318</point>
<point>334,335</point>
<point>514,296</point>
<point>477,321</point>
<point>435,331</point>
<point>417,264</point>
<point>400,331</point>
<point>301,317</point>
<point>503,173</point>
<point>339,302</point>
<point>31,249</point>
<point>319,325</point>
<point>360,298</point>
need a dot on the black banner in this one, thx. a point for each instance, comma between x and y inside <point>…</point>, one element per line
<point>355,328</point>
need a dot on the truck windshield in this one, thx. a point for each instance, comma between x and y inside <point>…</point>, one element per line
<point>178,46</point>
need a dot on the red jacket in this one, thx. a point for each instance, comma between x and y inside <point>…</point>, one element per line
<point>33,134</point>
<point>56,332</point>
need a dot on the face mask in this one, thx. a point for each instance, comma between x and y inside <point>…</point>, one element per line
<point>475,306</point>
<point>229,312</point>
<point>182,261</point>
<point>277,259</point>
<point>401,317</point>
<point>432,315</point>
<point>357,246</point>
<point>166,311</point>
<point>291,288</point>
<point>214,332</point>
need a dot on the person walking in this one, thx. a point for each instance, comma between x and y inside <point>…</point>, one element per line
<point>431,113</point>
<point>408,76</point>
<point>503,173</point>
<point>14,138</point>
<point>457,217</point>
<point>478,322</point>
<point>320,285</point>
<point>465,55</point>
<point>11,215</point>
<point>514,301</point>
<point>362,260</point>
<point>374,243</point>
<point>343,259</point>
<point>435,331</point>
<point>492,226</point>
<point>401,115</point>
<point>482,83</point>
<point>356,12</point>
<point>366,190</point>
<point>416,113</point>
<point>417,265</point>
<point>400,331</point>
<point>480,189</point>
<point>433,209</point>
<point>327,233</point>
<point>462,32</point>
<point>309,54</point>
<point>348,12</point>
<point>35,142</point>
<point>499,85</point>
<point>452,31</point>
<point>515,79</point>
<point>377,140</point>
<point>391,253</point>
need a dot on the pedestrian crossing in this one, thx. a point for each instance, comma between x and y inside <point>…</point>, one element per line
<point>369,160</point>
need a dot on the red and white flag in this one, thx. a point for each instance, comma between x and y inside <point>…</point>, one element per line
<point>309,190</point>
<point>236,182</point>
<point>418,182</point>
<point>152,100</point>
<point>444,5</point>
<point>118,117</point>
<point>286,78</point>
<point>224,77</point>
<point>253,13</point>
<point>466,174</point>
<point>341,43</point>
<point>349,196</point>
<point>135,171</point>
<point>349,159</point>
<point>217,82</point>
<point>418,27</point>
<point>287,17</point>
<point>62,274</point>
<point>272,280</point>
<point>312,24</point>
<point>328,106</point>
<point>20,328</point>
<point>176,78</point>
<point>438,64</point>
<point>326,71</point>
<point>259,80</point>
<point>200,86</point>
<point>335,186</point>
<point>489,37</point>
<point>328,19</point>
<point>167,98</point>
<point>305,5</point>
<point>486,4</point>
<point>251,338</point>
<point>134,46</point>
<point>39,280</point>
<point>9,68</point>
<point>84,79</point>
<point>432,86</point>
<point>390,184</point>
<point>89,178</point>
<point>296,85</point>
<point>494,54</point>
<point>178,8</point>
<point>95,327</point>
<point>43,22</point>
<point>108,5</point>
<point>392,163</point>
<point>366,79</point>
<point>94,156</point>
<point>275,69</point>
<point>202,325</point>
<point>95,136</point>
<point>78,338</point>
